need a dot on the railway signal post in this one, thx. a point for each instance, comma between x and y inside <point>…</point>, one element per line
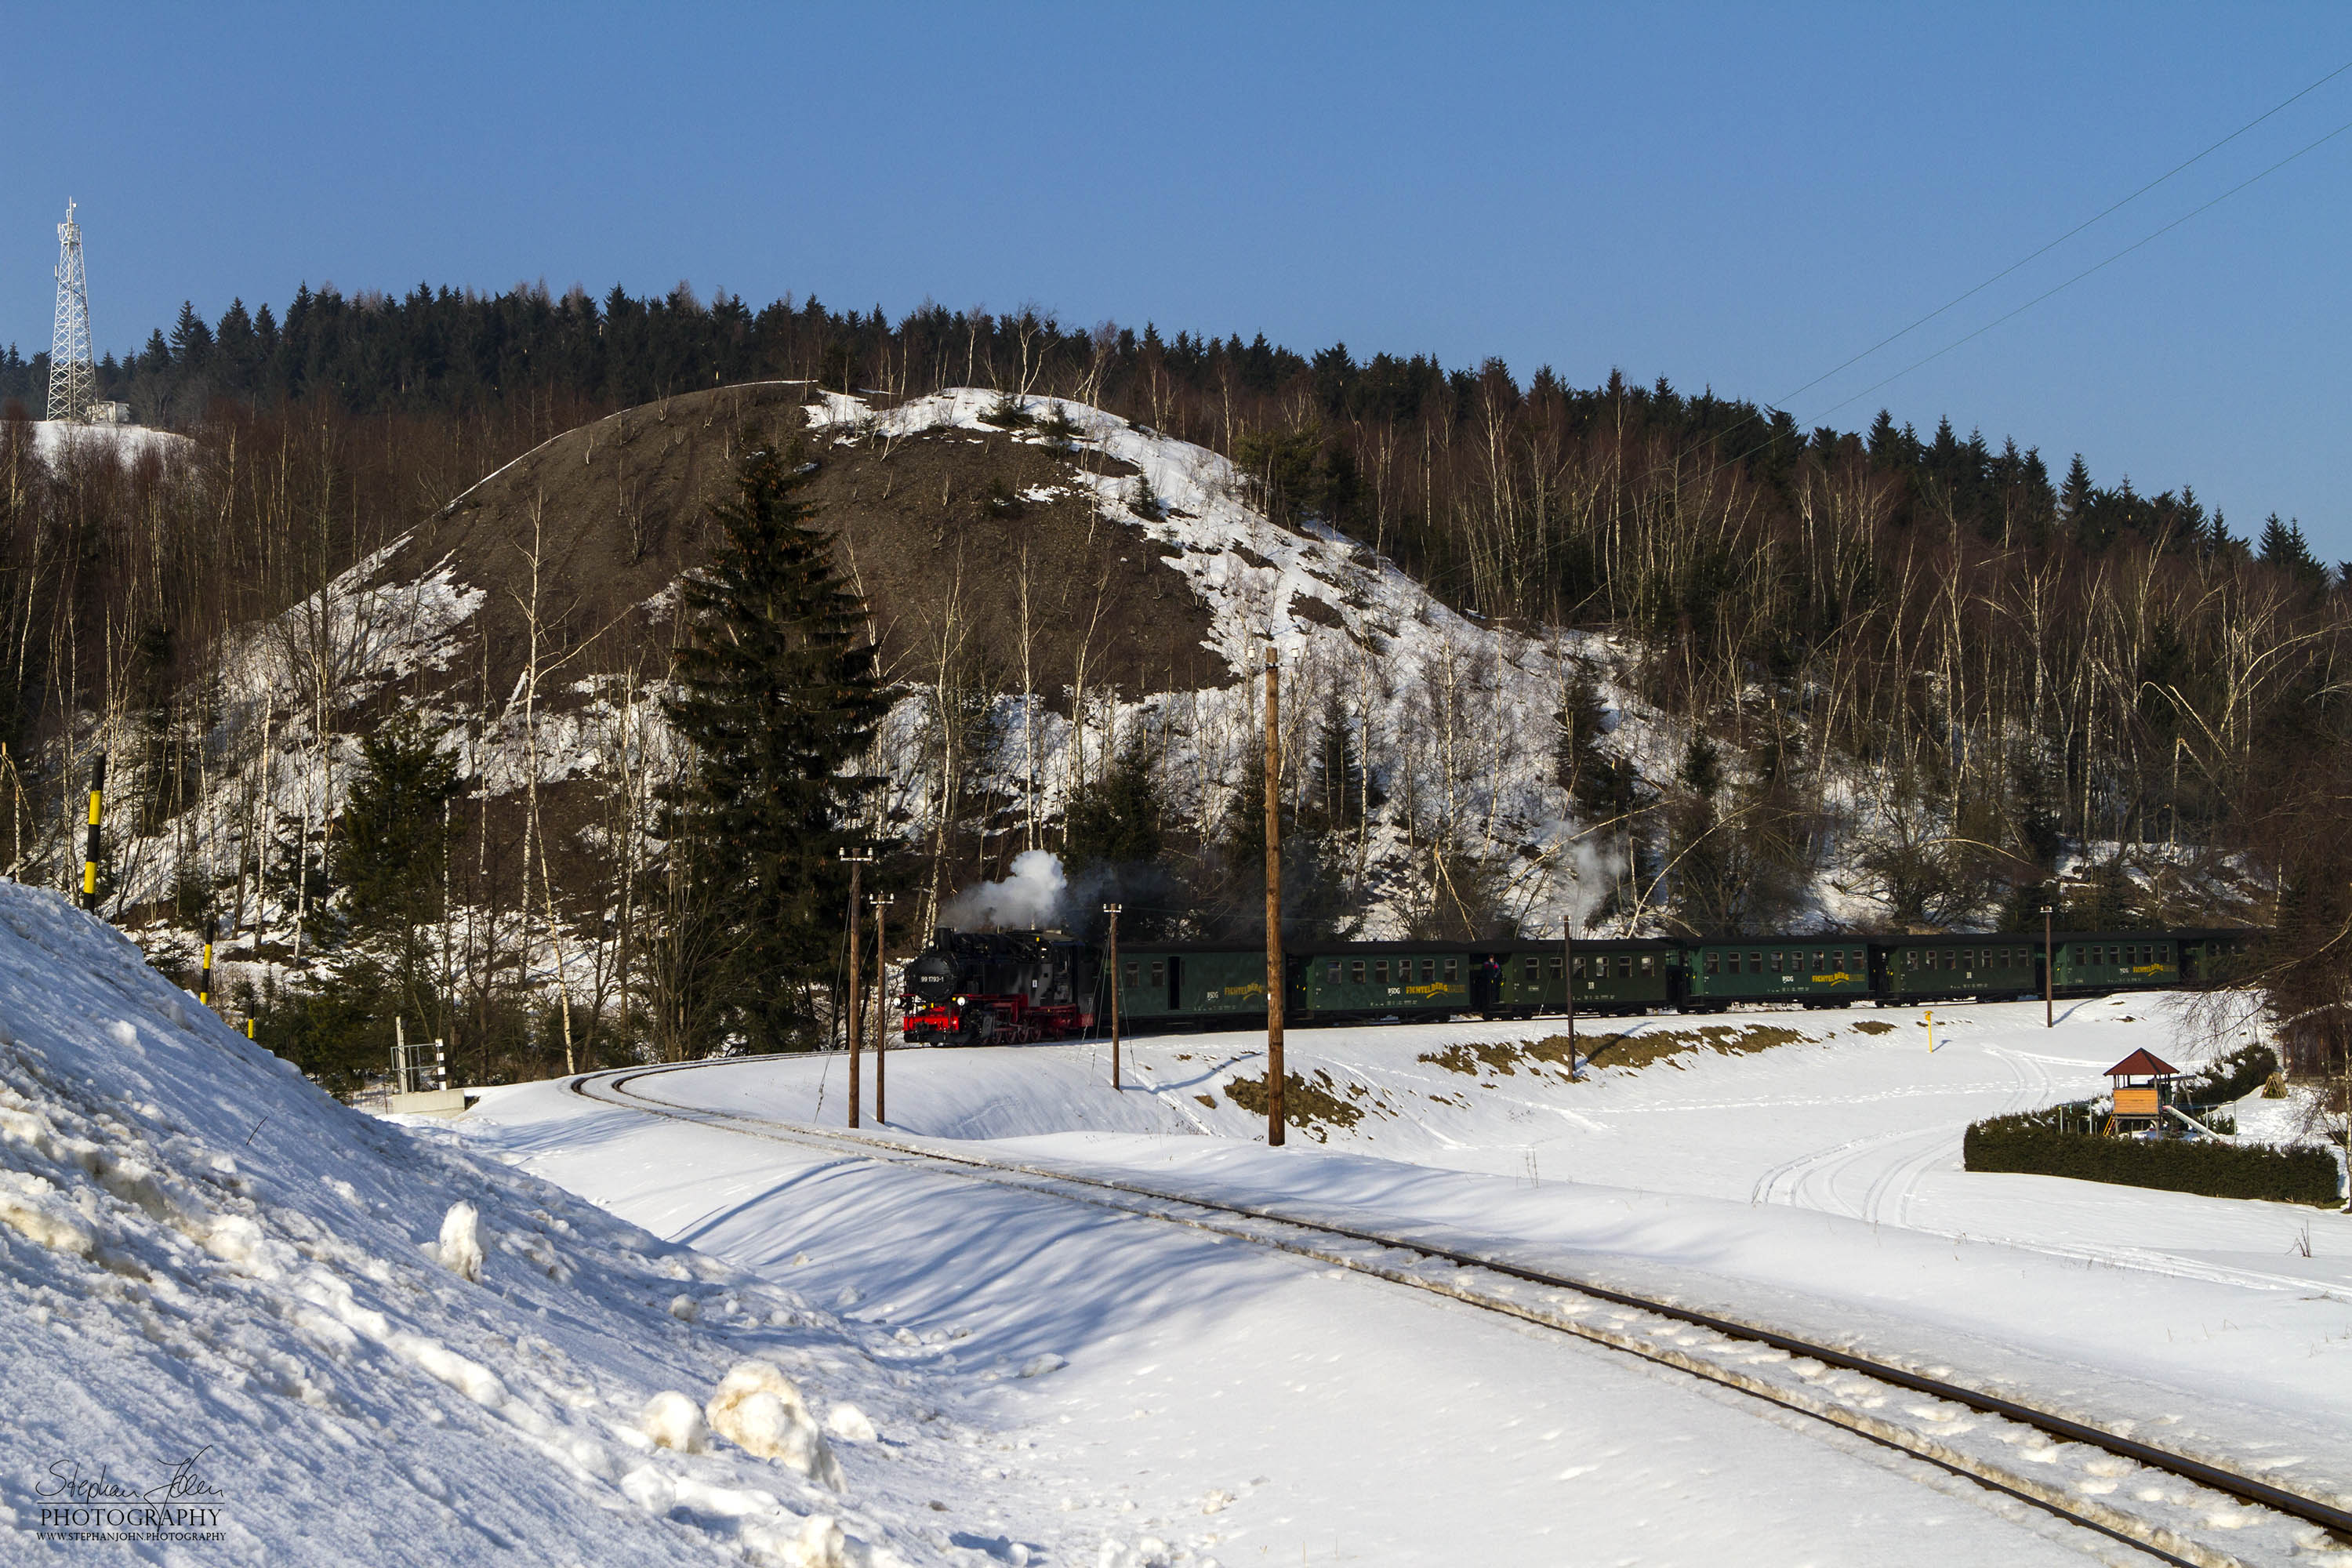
<point>856,860</point>
<point>1273,1118</point>
<point>204,985</point>
<point>89,853</point>
<point>881,902</point>
<point>1112,911</point>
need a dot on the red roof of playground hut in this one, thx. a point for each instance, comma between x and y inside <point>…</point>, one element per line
<point>2141,1064</point>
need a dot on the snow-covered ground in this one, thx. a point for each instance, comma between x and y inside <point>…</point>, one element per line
<point>320,1337</point>
<point>1250,1406</point>
<point>242,1324</point>
<point>54,439</point>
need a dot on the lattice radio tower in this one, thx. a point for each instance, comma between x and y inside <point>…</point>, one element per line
<point>73,376</point>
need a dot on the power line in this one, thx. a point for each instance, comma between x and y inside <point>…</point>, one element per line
<point>2038,299</point>
<point>2096,267</point>
<point>2086,223</point>
<point>1775,406</point>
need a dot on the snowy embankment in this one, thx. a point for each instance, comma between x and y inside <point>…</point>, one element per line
<point>1809,1178</point>
<point>233,1309</point>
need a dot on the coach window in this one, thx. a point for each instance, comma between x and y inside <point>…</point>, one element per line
<point>1452,969</point>
<point>1380,972</point>
<point>1648,962</point>
<point>1624,966</point>
<point>1158,971</point>
<point>1713,962</point>
<point>1428,970</point>
<point>1331,973</point>
<point>1535,967</point>
<point>1356,970</point>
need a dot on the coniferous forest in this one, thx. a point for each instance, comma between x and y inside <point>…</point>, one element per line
<point>2024,664</point>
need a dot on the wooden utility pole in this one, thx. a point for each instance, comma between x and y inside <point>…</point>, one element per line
<point>2049,971</point>
<point>1568,981</point>
<point>856,860</point>
<point>1112,911</point>
<point>881,901</point>
<point>1273,1072</point>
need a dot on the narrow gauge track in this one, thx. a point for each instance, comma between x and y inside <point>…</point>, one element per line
<point>1266,1228</point>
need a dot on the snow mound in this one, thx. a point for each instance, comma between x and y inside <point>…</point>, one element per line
<point>220,1286</point>
<point>761,1411</point>
<point>461,1242</point>
<point>671,1420</point>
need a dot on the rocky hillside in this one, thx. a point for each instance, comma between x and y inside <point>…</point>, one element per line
<point>1048,583</point>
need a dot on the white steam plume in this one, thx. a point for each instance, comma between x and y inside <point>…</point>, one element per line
<point>1030,897</point>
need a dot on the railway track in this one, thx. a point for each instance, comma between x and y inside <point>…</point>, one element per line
<point>2174,1506</point>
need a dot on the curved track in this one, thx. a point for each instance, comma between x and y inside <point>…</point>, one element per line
<point>1821,1380</point>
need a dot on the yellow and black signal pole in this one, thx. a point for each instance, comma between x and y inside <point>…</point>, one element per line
<point>204,986</point>
<point>89,854</point>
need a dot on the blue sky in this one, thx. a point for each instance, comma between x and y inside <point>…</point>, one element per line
<point>1734,197</point>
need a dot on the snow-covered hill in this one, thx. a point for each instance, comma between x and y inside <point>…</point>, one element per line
<point>238,1316</point>
<point>1454,716</point>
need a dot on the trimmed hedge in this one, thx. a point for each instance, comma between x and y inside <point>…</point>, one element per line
<point>2032,1144</point>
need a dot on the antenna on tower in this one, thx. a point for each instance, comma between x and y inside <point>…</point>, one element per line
<point>73,376</point>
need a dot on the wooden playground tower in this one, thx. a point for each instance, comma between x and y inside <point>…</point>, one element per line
<point>2142,1081</point>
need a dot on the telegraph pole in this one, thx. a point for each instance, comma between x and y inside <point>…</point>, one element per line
<point>881,901</point>
<point>1273,1118</point>
<point>1568,980</point>
<point>856,860</point>
<point>1112,911</point>
<point>2049,971</point>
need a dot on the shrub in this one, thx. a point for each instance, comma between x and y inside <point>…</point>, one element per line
<point>2032,1144</point>
<point>1007,413</point>
<point>2233,1077</point>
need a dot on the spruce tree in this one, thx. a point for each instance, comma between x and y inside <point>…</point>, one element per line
<point>391,858</point>
<point>1119,819</point>
<point>777,694</point>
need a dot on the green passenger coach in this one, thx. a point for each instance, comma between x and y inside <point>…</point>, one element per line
<point>1400,980</point>
<point>2118,961</point>
<point>1524,978</point>
<point>1924,968</point>
<point>1210,984</point>
<point>1824,972</point>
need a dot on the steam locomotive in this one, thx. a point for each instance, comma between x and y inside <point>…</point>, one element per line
<point>1013,987</point>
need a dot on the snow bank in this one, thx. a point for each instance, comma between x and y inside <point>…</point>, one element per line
<point>329,1339</point>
